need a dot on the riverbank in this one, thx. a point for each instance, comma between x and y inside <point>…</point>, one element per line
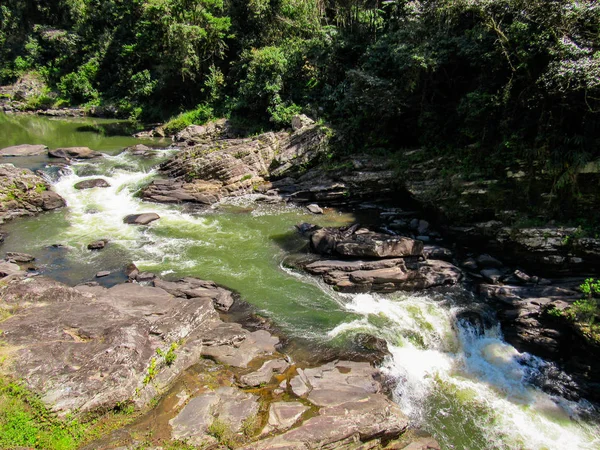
<point>445,351</point>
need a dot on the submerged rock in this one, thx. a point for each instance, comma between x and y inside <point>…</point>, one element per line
<point>24,150</point>
<point>90,184</point>
<point>97,245</point>
<point>141,219</point>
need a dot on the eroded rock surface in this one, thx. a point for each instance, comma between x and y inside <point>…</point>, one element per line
<point>226,407</point>
<point>375,261</point>
<point>141,219</point>
<point>85,350</point>
<point>22,193</point>
<point>212,168</point>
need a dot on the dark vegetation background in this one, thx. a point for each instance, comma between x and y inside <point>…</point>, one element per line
<point>492,81</point>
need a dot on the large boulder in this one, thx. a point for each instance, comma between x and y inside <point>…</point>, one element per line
<point>357,242</point>
<point>24,150</point>
<point>74,152</point>
<point>22,193</point>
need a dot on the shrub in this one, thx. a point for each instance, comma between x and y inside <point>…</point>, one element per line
<point>199,116</point>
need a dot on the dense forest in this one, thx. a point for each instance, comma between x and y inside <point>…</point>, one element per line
<point>496,79</point>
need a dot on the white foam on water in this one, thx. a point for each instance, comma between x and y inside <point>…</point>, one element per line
<point>433,355</point>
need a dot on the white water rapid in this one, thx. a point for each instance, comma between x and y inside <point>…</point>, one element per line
<point>471,390</point>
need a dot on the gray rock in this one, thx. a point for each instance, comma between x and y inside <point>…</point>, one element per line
<point>385,275</point>
<point>350,243</point>
<point>230,406</point>
<point>522,276</point>
<point>103,273</point>
<point>19,257</point>
<point>97,245</point>
<point>436,252</point>
<point>343,426</point>
<point>141,219</point>
<point>300,121</point>
<point>314,208</point>
<point>145,276</point>
<point>194,288</point>
<point>470,264</point>
<point>492,275</point>
<point>22,193</point>
<point>488,262</point>
<point>265,373</point>
<point>336,383</point>
<point>8,268</point>
<point>24,150</point>
<point>230,344</point>
<point>132,271</point>
<point>283,415</point>
<point>74,152</point>
<point>84,352</point>
<point>90,184</point>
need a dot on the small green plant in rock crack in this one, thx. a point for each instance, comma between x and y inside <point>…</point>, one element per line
<point>169,356</point>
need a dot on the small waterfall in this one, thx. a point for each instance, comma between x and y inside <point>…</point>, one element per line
<point>460,380</point>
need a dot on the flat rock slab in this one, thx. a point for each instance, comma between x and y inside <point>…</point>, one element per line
<point>265,373</point>
<point>74,152</point>
<point>87,351</point>
<point>141,219</point>
<point>230,344</point>
<point>227,405</point>
<point>24,150</point>
<point>336,383</point>
<point>90,184</point>
<point>283,415</point>
<point>343,426</point>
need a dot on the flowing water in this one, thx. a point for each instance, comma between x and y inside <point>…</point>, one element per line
<point>460,382</point>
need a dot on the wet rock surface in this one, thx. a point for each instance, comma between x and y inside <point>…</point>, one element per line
<point>141,219</point>
<point>24,150</point>
<point>22,193</point>
<point>375,262</point>
<point>93,183</point>
<point>74,153</point>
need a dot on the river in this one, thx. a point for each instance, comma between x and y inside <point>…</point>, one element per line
<point>470,390</point>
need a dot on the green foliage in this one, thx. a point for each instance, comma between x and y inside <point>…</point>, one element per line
<point>26,422</point>
<point>151,372</point>
<point>169,356</point>
<point>198,116</point>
